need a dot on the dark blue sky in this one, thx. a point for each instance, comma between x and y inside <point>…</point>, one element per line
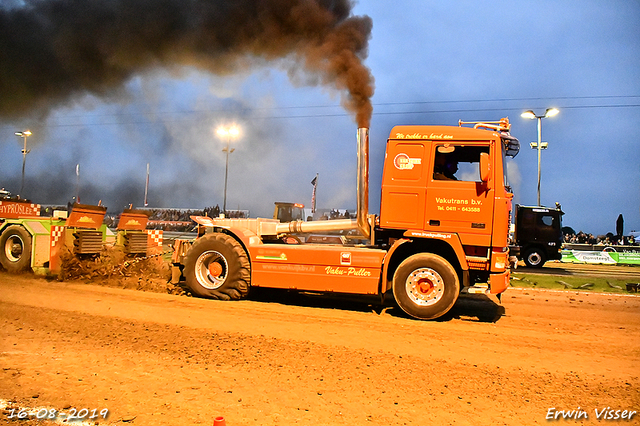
<point>433,63</point>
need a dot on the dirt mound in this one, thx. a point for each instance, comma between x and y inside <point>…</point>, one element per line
<point>114,268</point>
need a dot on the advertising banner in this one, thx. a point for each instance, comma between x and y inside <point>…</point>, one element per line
<point>602,257</point>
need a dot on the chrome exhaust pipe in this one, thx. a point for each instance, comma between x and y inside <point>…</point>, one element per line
<point>298,226</point>
<point>363,182</point>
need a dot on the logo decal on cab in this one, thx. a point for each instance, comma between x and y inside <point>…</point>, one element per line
<point>404,162</point>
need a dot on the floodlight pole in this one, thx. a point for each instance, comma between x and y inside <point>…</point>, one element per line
<point>550,112</point>
<point>227,133</point>
<point>226,175</point>
<point>539,148</point>
<point>25,151</point>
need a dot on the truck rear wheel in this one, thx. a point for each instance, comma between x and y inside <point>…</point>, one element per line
<point>534,258</point>
<point>425,286</point>
<point>15,249</point>
<point>217,267</point>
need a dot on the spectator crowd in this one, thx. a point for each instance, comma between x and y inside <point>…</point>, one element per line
<point>602,240</point>
<point>179,220</point>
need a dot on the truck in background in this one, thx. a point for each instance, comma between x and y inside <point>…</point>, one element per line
<point>288,212</point>
<point>442,229</point>
<point>537,235</point>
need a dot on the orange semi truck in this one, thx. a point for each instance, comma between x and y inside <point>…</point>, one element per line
<point>442,229</point>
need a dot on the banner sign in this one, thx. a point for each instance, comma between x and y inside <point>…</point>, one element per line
<point>602,257</point>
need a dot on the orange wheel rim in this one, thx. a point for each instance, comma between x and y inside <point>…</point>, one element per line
<point>215,269</point>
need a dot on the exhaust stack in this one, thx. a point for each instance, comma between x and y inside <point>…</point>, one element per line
<point>363,182</point>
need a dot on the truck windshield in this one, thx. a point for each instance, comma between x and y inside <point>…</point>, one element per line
<point>290,213</point>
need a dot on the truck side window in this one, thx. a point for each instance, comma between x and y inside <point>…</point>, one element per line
<point>547,220</point>
<point>458,162</point>
<point>445,167</point>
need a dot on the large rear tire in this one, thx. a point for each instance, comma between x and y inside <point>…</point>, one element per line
<point>426,286</point>
<point>217,267</point>
<point>15,249</point>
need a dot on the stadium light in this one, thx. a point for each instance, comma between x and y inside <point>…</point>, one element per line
<point>550,112</point>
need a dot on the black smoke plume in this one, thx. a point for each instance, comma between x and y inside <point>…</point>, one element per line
<point>53,50</point>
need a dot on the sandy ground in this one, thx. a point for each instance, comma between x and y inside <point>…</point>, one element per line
<point>162,359</point>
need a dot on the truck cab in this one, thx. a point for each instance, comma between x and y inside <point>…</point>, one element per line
<point>288,212</point>
<point>537,234</point>
<point>446,187</point>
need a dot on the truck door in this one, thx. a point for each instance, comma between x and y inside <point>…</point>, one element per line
<point>547,231</point>
<point>457,200</point>
<point>404,183</point>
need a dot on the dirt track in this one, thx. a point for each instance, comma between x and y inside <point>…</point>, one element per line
<point>160,359</point>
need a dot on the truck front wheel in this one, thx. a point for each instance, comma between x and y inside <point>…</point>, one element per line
<point>217,267</point>
<point>534,258</point>
<point>425,286</point>
<point>15,249</point>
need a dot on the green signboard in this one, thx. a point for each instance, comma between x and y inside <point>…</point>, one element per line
<point>603,257</point>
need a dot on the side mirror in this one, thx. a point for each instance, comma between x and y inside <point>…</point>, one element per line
<point>485,167</point>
